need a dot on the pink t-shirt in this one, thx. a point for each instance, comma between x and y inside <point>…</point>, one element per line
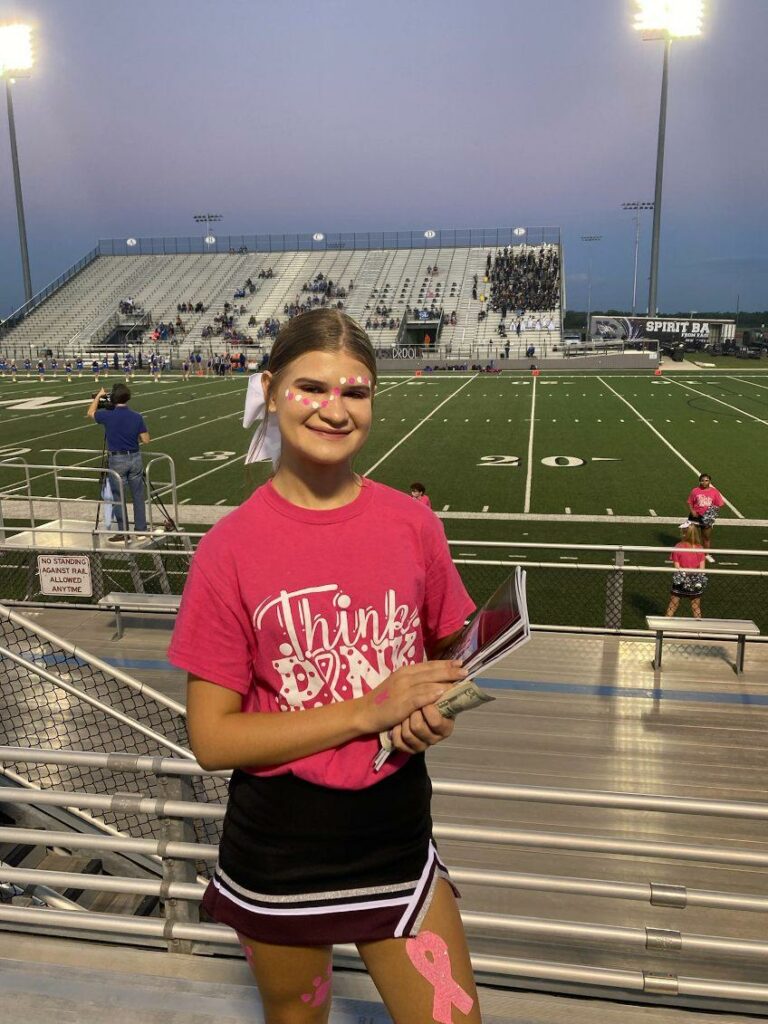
<point>424,499</point>
<point>686,557</point>
<point>295,608</point>
<point>701,498</point>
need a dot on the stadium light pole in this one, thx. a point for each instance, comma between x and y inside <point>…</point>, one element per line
<point>637,207</point>
<point>208,219</point>
<point>665,20</point>
<point>589,238</point>
<point>16,61</point>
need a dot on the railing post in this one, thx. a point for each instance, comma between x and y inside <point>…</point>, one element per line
<point>173,830</point>
<point>614,592</point>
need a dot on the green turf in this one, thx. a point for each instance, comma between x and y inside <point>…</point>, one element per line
<point>594,449</point>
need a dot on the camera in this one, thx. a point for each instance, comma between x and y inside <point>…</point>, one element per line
<point>105,402</point>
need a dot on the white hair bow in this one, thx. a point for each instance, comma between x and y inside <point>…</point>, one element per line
<point>268,447</point>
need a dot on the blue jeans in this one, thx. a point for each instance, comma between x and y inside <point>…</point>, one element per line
<point>131,472</point>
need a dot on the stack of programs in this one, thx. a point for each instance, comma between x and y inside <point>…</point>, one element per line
<point>497,629</point>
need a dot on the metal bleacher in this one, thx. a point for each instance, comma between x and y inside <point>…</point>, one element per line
<point>612,848</point>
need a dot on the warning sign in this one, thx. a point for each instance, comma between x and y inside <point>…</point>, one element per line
<point>65,575</point>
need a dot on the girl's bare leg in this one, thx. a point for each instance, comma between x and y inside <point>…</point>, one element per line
<point>427,978</point>
<point>294,981</point>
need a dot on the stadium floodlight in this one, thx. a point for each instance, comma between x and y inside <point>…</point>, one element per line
<point>589,238</point>
<point>16,60</point>
<point>429,233</point>
<point>676,18</point>
<point>208,219</point>
<point>130,241</point>
<point>318,236</point>
<point>666,20</point>
<point>637,206</point>
<point>518,231</point>
<point>15,49</point>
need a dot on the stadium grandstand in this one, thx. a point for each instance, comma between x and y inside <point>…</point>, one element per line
<point>450,301</point>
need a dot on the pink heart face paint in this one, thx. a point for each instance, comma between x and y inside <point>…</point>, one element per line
<point>429,955</point>
<point>321,988</point>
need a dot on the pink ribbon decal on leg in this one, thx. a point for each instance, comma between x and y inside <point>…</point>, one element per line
<point>429,955</point>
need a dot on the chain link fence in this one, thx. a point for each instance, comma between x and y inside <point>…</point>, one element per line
<point>36,712</point>
<point>603,594</point>
<point>617,597</point>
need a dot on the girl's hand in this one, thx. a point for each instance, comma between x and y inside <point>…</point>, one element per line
<point>406,691</point>
<point>422,729</point>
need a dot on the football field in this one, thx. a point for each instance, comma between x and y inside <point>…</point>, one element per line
<point>575,458</point>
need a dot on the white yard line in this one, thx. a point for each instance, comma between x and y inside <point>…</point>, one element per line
<point>664,440</point>
<point>419,424</point>
<point>735,408</point>
<point>159,437</point>
<point>745,380</point>
<point>192,479</point>
<point>529,471</point>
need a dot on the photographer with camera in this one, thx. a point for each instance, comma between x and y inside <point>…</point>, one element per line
<point>124,431</point>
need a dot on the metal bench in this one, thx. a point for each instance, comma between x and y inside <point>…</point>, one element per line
<point>701,629</point>
<point>155,603</point>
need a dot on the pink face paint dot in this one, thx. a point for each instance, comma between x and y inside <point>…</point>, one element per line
<point>351,380</point>
<point>324,403</point>
<point>381,697</point>
<point>306,996</point>
<point>306,401</point>
<point>336,391</point>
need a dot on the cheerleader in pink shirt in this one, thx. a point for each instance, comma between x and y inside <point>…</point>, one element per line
<point>688,580</point>
<point>704,502</point>
<point>305,627</point>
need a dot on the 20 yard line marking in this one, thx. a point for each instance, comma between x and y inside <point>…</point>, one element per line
<point>663,439</point>
<point>529,470</point>
<point>735,408</point>
<point>419,424</point>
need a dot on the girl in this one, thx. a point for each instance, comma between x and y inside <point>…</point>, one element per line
<point>687,557</point>
<point>705,501</point>
<point>304,625</point>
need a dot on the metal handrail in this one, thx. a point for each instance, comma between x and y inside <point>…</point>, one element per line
<point>116,925</point>
<point>444,787</point>
<point>110,712</point>
<point>653,893</point>
<point>95,662</point>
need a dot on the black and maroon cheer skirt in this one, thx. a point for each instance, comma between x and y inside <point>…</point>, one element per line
<point>302,864</point>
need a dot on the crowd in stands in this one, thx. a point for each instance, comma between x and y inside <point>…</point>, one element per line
<point>292,309</point>
<point>128,307</point>
<point>325,286</point>
<point>269,272</point>
<point>163,332</point>
<point>190,307</point>
<point>523,280</point>
<point>432,312</point>
<point>269,328</point>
